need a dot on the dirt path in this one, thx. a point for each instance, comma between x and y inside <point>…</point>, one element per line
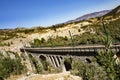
<point>58,76</point>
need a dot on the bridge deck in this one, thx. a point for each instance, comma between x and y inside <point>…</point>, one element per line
<point>70,49</point>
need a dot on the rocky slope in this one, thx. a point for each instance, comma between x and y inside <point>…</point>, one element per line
<point>64,31</point>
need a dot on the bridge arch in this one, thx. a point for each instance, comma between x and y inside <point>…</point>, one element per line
<point>44,61</point>
<point>68,64</point>
<point>88,60</point>
<point>118,54</point>
<point>118,57</point>
<point>42,57</point>
<point>30,55</point>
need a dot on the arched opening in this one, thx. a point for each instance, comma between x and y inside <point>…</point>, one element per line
<point>30,55</point>
<point>87,60</point>
<point>1,78</point>
<point>67,63</point>
<point>118,55</point>
<point>44,62</point>
<point>42,57</point>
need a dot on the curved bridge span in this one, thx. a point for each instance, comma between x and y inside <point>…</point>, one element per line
<point>56,55</point>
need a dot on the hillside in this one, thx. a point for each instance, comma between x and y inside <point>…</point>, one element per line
<point>83,32</point>
<point>115,12</point>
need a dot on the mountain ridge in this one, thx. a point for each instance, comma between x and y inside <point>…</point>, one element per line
<point>90,15</point>
<point>114,12</point>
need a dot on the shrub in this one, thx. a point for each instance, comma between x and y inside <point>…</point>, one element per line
<point>88,71</point>
<point>10,67</point>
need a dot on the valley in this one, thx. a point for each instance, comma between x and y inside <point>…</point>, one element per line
<point>97,30</point>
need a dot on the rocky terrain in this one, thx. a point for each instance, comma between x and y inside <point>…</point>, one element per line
<point>64,31</point>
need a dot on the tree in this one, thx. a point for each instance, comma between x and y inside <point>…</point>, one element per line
<point>106,60</point>
<point>65,38</point>
<point>10,66</point>
<point>42,40</point>
<point>37,42</point>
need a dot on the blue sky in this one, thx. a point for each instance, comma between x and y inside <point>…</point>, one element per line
<point>30,13</point>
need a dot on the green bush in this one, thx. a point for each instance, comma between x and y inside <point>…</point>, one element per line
<point>88,71</point>
<point>10,67</point>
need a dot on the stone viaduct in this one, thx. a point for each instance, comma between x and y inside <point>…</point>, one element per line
<point>56,55</point>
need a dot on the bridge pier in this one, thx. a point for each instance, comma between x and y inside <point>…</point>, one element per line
<point>53,61</point>
<point>28,62</point>
<point>56,60</point>
<point>50,60</point>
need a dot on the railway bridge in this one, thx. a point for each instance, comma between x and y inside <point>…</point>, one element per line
<point>56,55</point>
